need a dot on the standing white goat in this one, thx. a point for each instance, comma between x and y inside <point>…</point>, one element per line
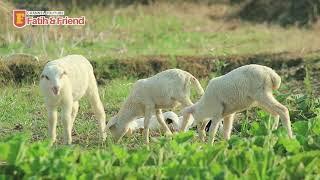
<point>164,90</point>
<point>240,89</point>
<point>63,83</point>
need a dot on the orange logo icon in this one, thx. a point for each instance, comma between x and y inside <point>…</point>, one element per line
<point>19,18</point>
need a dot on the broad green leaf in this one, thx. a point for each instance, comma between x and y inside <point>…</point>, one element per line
<point>120,153</point>
<point>258,129</point>
<point>183,137</point>
<point>4,151</point>
<point>301,128</point>
<point>291,145</point>
<point>316,126</point>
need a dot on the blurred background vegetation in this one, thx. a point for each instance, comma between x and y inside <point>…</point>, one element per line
<point>284,12</point>
<point>130,28</point>
<point>121,35</point>
<point>130,39</point>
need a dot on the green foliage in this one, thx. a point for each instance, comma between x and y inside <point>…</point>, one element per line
<point>285,12</point>
<point>135,42</point>
<point>253,152</point>
<point>307,81</point>
<point>271,156</point>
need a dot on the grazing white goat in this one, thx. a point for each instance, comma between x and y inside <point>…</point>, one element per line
<point>164,90</point>
<point>170,118</point>
<point>63,83</point>
<point>240,89</point>
<point>192,124</point>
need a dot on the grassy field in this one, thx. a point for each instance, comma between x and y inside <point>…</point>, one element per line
<point>254,151</point>
<point>166,30</point>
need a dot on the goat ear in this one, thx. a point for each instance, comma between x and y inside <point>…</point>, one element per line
<point>41,76</point>
<point>169,121</point>
<point>112,127</point>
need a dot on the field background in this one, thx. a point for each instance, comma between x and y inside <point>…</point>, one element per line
<point>128,40</point>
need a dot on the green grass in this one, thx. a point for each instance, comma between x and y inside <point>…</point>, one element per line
<point>261,155</point>
<point>160,29</point>
<point>25,106</point>
<point>254,151</point>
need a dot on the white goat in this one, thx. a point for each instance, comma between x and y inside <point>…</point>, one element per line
<point>164,90</point>
<point>170,118</point>
<point>192,124</point>
<point>240,89</point>
<point>63,83</point>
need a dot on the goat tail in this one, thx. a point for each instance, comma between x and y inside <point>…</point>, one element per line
<point>275,80</point>
<point>197,85</point>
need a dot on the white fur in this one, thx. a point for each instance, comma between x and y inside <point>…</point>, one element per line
<point>148,96</point>
<point>138,124</point>
<point>192,124</point>
<point>240,89</point>
<point>63,83</point>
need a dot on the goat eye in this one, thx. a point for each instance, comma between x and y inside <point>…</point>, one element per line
<point>46,77</point>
